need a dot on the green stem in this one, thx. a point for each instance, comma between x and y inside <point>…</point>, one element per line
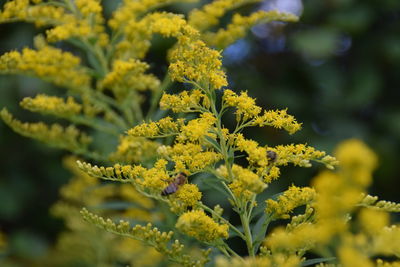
<point>95,125</point>
<point>247,232</point>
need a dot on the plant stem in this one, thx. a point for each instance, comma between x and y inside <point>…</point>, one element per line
<point>247,232</point>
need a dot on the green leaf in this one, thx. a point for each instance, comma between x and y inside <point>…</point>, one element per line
<point>258,225</point>
<point>214,143</point>
<point>316,261</point>
<point>215,184</point>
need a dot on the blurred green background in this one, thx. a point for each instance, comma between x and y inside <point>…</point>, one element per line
<point>337,71</point>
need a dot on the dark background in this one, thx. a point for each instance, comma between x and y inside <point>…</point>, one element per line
<point>337,71</point>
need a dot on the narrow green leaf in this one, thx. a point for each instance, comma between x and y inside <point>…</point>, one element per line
<point>316,261</point>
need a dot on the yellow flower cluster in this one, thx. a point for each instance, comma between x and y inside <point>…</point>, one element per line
<point>69,138</point>
<point>128,76</point>
<point>164,127</point>
<point>193,101</point>
<point>240,24</point>
<point>245,183</point>
<point>301,155</point>
<point>193,61</point>
<point>246,107</point>
<point>154,180</point>
<point>48,63</point>
<point>357,160</point>
<point>132,10</point>
<point>200,226</point>
<point>133,149</point>
<point>271,261</point>
<point>52,105</point>
<point>41,15</point>
<point>87,22</point>
<point>292,198</point>
<point>197,129</point>
<point>187,196</point>
<point>209,15</point>
<point>191,157</point>
<point>257,155</point>
<point>278,119</point>
<point>337,197</point>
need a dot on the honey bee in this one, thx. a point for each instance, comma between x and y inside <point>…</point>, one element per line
<point>179,180</point>
<point>271,155</point>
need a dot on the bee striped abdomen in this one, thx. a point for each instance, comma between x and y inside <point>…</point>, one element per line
<point>170,189</point>
<point>179,180</point>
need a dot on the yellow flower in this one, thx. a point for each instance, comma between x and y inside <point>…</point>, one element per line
<point>197,129</point>
<point>278,119</point>
<point>190,157</point>
<point>129,75</point>
<point>188,195</point>
<point>133,149</point>
<point>373,221</point>
<point>69,138</point>
<point>246,107</point>
<point>245,183</point>
<point>194,61</point>
<point>257,156</point>
<point>186,101</point>
<point>350,257</point>
<point>164,127</point>
<point>357,160</point>
<point>200,226</point>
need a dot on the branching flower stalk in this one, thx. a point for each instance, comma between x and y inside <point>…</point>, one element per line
<point>163,136</point>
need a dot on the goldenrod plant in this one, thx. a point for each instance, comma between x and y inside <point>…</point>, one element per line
<point>173,138</point>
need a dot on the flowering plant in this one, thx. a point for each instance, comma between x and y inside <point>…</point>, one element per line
<point>164,135</point>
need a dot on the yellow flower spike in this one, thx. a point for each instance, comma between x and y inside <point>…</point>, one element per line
<point>69,138</point>
<point>289,200</point>
<point>48,63</point>
<point>241,24</point>
<point>278,119</point>
<point>200,226</point>
<point>301,155</point>
<point>164,127</point>
<point>52,105</point>
<point>41,15</point>
<point>195,62</point>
